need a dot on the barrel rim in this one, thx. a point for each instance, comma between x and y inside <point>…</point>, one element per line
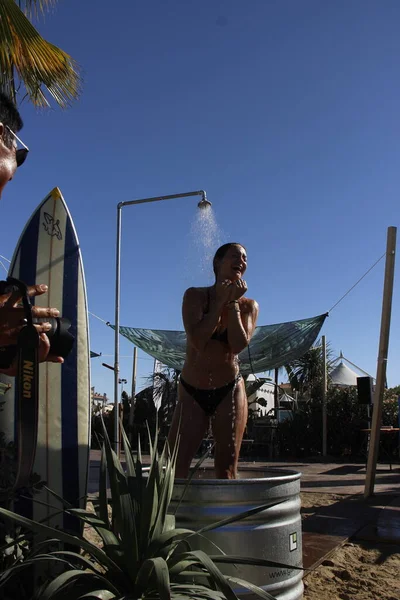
<point>288,475</point>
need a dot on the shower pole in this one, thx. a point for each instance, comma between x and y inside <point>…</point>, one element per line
<point>203,203</point>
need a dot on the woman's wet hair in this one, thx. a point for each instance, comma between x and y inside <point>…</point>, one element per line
<point>220,253</point>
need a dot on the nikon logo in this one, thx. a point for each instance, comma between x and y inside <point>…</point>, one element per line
<point>27,378</point>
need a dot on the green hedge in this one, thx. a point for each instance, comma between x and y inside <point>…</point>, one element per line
<point>302,436</point>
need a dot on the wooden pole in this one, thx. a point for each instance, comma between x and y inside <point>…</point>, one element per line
<point>276,393</point>
<point>382,362</point>
<point>133,393</point>
<point>324,389</point>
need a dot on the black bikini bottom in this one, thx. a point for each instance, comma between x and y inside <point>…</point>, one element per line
<point>209,400</point>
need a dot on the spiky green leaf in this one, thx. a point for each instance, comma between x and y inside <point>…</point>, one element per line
<point>239,516</point>
<point>76,541</point>
<point>154,574</point>
<point>254,562</point>
<point>251,587</point>
<point>68,583</point>
<point>103,501</point>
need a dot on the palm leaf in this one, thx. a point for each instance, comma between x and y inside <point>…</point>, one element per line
<point>108,537</point>
<point>251,587</point>
<point>181,591</point>
<point>34,7</point>
<point>103,502</point>
<point>191,475</point>
<point>154,571</point>
<point>203,561</point>
<point>99,595</point>
<point>25,56</point>
<point>75,558</point>
<point>123,521</point>
<point>57,589</point>
<point>254,562</point>
<point>81,543</point>
<point>238,517</point>
<point>166,538</point>
<point>16,569</point>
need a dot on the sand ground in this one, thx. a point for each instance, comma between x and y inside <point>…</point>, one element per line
<point>355,570</point>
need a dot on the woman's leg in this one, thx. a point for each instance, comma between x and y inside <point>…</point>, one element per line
<point>193,426</point>
<point>228,425</point>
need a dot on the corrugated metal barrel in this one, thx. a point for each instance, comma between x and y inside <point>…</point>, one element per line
<point>273,534</point>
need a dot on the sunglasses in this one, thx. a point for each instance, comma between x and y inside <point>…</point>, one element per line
<point>20,153</point>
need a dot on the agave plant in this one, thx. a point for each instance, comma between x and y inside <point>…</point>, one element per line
<point>143,555</point>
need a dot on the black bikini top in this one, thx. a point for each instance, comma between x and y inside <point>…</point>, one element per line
<point>218,335</point>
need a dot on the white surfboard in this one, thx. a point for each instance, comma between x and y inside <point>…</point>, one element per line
<point>48,252</point>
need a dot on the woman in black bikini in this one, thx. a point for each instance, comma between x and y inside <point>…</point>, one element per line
<point>219,323</point>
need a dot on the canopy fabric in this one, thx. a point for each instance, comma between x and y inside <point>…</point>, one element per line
<point>271,346</point>
<point>342,375</point>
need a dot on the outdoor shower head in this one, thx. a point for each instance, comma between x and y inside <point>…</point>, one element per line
<point>204,203</point>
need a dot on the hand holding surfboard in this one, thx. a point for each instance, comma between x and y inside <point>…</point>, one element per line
<point>12,320</point>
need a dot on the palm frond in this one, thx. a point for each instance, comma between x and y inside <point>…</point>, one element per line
<point>35,7</point>
<point>27,57</point>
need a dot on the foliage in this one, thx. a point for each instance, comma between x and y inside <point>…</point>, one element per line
<point>306,373</point>
<point>390,409</point>
<point>8,472</point>
<point>143,555</point>
<point>144,417</point>
<point>26,58</point>
<point>302,436</point>
<point>164,385</point>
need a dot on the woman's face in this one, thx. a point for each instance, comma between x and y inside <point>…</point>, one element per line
<point>233,265</point>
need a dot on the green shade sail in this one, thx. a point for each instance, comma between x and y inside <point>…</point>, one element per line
<point>272,346</point>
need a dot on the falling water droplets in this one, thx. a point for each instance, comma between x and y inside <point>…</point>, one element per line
<point>205,238</point>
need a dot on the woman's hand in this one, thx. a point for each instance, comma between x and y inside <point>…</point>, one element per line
<point>223,292</point>
<point>237,289</point>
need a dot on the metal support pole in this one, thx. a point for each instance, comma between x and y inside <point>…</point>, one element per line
<point>324,390</point>
<point>116,349</point>
<point>382,362</point>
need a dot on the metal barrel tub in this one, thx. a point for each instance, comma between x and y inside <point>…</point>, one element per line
<point>274,533</point>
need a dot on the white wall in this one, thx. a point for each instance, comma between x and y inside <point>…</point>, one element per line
<point>266,391</point>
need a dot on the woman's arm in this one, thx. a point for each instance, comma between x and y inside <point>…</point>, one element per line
<point>199,327</point>
<point>241,324</point>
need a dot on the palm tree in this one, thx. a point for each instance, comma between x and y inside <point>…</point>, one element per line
<point>306,373</point>
<point>165,386</point>
<point>28,60</point>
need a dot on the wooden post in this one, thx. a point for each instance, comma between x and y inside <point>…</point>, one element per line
<point>382,362</point>
<point>324,389</point>
<point>133,394</point>
<point>276,393</point>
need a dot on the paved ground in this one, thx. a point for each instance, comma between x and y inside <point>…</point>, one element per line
<point>316,477</point>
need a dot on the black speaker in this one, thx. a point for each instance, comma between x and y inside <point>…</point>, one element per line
<point>364,390</point>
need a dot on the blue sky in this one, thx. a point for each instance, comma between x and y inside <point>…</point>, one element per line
<point>285,112</point>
